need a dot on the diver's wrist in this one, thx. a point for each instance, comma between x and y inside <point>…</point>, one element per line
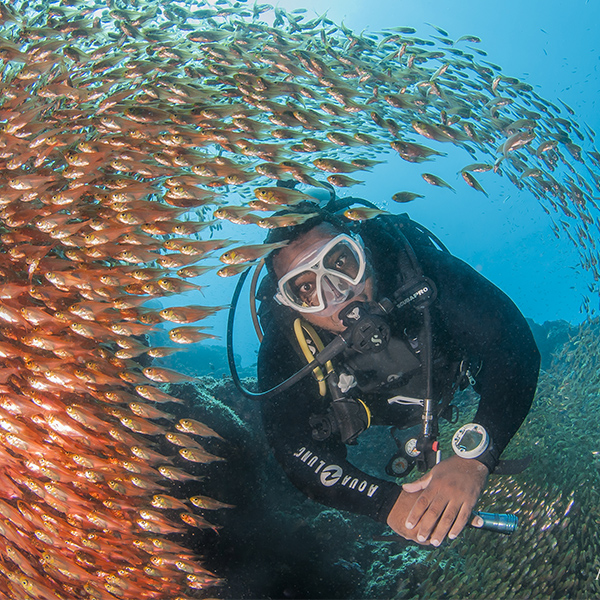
<point>490,458</point>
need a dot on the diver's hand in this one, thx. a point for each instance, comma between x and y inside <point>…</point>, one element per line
<point>442,501</point>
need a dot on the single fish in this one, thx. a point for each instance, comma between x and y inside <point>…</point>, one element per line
<point>477,168</point>
<point>177,286</point>
<point>470,179</point>
<point>195,271</point>
<point>545,147</point>
<point>431,131</point>
<point>412,152</point>
<point>286,220</point>
<point>139,425</point>
<point>168,502</point>
<point>163,375</point>
<point>435,180</point>
<point>199,455</point>
<point>473,39</point>
<point>202,247</point>
<point>240,215</point>
<point>343,181</point>
<point>515,141</point>
<point>233,270</point>
<point>188,314</point>
<point>244,254</point>
<point>341,139</point>
<point>148,455</point>
<point>334,166</point>
<point>189,335</point>
<point>281,195</point>
<point>155,395</point>
<point>403,197</point>
<point>262,206</point>
<point>149,412</point>
<point>208,503</point>
<point>196,521</point>
<point>365,163</point>
<point>180,439</point>
<point>177,474</point>
<point>197,428</point>
<point>150,527</point>
<point>363,213</point>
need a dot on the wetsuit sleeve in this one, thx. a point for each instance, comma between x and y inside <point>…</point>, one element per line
<point>485,324</point>
<point>318,469</point>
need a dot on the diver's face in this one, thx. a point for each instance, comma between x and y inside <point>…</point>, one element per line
<point>290,257</point>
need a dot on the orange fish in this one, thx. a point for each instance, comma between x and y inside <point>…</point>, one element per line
<point>197,428</point>
<point>155,395</point>
<point>149,455</point>
<point>140,425</point>
<point>168,502</point>
<point>199,455</point>
<point>250,253</point>
<point>208,503</point>
<point>196,521</point>
<point>281,195</point>
<point>177,474</point>
<point>189,335</point>
<point>180,439</point>
<point>188,314</point>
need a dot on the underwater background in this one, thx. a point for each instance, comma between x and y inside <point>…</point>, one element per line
<point>276,543</point>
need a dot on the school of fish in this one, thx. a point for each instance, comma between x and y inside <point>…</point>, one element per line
<point>124,130</point>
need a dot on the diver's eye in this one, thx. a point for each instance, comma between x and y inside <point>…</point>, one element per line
<point>305,290</point>
<point>340,261</point>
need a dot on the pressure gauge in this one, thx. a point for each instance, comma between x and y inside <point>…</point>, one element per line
<point>470,441</point>
<point>411,448</point>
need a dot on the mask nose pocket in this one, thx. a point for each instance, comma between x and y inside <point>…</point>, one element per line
<point>334,290</point>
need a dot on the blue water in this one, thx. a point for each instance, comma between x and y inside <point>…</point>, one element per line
<point>507,236</point>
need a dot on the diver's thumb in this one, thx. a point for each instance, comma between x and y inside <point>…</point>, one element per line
<point>418,485</point>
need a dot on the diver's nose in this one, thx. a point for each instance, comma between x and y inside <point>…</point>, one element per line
<point>332,291</point>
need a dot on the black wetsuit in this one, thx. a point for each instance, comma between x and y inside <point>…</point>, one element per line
<point>471,319</point>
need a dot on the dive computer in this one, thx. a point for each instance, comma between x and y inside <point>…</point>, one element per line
<point>470,441</point>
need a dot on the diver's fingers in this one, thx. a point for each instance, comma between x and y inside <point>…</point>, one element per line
<point>437,521</point>
<point>418,485</point>
<point>460,522</point>
<point>430,516</point>
<point>418,509</point>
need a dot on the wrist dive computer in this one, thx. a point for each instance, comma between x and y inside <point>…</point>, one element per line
<point>473,441</point>
<point>470,441</point>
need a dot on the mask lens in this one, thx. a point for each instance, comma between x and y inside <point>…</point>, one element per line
<point>302,289</point>
<point>343,259</point>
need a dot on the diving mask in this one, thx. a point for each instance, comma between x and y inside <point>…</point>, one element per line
<point>326,277</point>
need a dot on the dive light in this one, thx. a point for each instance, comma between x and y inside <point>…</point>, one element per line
<point>500,523</point>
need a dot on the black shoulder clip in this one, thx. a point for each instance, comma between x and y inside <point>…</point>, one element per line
<point>418,293</point>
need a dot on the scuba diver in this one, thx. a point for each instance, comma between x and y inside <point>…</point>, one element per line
<point>375,323</point>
